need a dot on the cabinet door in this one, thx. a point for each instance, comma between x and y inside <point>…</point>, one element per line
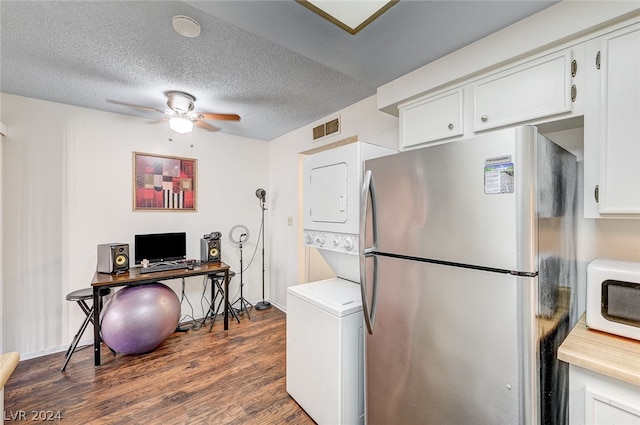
<point>596,399</point>
<point>530,91</point>
<point>602,409</point>
<point>434,118</point>
<point>619,187</point>
<point>592,95</point>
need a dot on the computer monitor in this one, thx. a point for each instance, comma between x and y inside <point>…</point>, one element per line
<point>158,247</point>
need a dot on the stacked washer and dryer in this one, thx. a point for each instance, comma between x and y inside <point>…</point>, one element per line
<point>325,340</point>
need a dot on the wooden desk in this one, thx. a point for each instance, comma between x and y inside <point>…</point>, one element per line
<point>134,277</point>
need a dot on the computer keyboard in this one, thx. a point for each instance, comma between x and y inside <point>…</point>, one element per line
<point>161,267</point>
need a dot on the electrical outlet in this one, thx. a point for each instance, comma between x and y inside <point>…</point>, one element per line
<point>289,221</point>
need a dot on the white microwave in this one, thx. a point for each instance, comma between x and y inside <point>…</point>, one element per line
<point>613,297</point>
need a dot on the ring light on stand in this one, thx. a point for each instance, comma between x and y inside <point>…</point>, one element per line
<point>238,235</point>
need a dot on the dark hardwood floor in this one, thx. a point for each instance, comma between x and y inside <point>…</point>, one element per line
<point>195,377</point>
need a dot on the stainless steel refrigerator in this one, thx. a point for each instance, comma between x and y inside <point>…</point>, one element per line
<point>469,281</point>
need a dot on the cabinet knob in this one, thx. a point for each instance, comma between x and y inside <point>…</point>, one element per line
<point>450,126</point>
<point>484,118</point>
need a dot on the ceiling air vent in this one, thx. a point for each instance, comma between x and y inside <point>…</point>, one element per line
<point>318,132</point>
<point>332,127</point>
<point>327,129</point>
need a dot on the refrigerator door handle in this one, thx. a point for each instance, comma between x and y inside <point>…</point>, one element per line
<point>368,311</point>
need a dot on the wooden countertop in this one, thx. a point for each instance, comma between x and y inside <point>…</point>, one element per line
<point>606,354</point>
<point>8,363</point>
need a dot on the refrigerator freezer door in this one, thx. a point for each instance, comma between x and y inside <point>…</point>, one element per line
<point>450,346</point>
<point>470,201</point>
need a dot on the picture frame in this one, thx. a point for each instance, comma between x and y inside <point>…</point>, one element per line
<point>164,183</point>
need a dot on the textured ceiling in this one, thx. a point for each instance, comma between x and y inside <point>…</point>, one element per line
<point>275,63</point>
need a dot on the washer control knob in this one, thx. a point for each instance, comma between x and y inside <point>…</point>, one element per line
<point>348,243</point>
<point>309,238</point>
<point>336,242</point>
<point>320,240</point>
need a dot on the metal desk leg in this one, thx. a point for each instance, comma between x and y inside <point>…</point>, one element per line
<point>213,294</point>
<point>220,285</point>
<point>210,310</point>
<point>96,325</point>
<point>226,299</point>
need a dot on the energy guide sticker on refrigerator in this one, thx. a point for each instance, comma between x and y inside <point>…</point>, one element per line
<point>498,175</point>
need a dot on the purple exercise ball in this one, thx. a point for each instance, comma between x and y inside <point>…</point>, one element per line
<point>137,319</point>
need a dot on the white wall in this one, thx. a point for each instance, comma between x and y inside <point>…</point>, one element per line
<point>361,119</point>
<point>67,187</point>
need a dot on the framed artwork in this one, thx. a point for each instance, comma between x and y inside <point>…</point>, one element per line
<point>164,183</point>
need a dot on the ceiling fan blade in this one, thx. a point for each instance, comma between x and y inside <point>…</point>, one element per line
<point>158,120</point>
<point>206,125</point>
<point>218,117</point>
<point>146,108</point>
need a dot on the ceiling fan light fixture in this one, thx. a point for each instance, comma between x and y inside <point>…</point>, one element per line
<point>181,115</point>
<point>180,101</point>
<point>181,125</point>
<point>186,26</point>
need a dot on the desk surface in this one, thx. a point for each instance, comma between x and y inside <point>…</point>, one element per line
<point>133,276</point>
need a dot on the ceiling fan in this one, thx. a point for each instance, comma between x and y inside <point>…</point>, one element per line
<point>181,115</point>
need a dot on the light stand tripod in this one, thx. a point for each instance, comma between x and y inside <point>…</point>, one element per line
<point>243,237</point>
<point>262,305</point>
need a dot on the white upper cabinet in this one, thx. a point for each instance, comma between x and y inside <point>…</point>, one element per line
<point>619,133</point>
<point>430,119</point>
<point>540,90</point>
<point>527,92</point>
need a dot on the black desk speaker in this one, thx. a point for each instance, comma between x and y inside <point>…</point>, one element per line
<point>113,257</point>
<point>210,250</point>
